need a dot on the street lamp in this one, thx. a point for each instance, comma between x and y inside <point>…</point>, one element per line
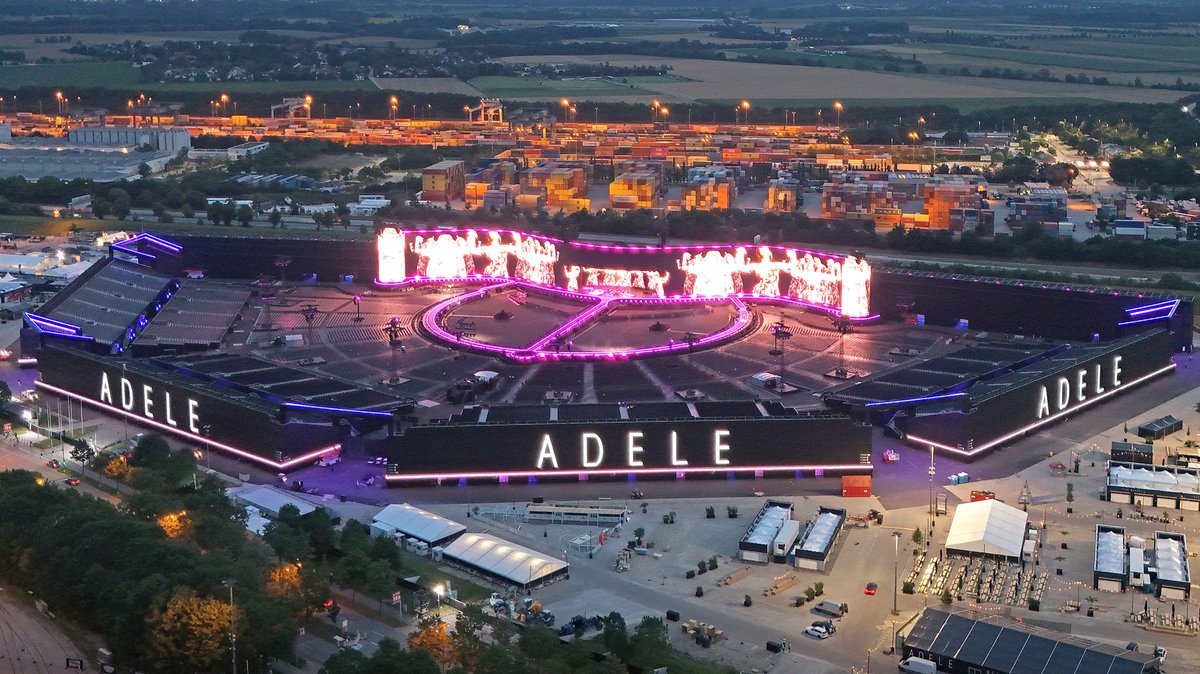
<point>837,105</point>
<point>895,570</point>
<point>393,101</point>
<point>224,103</point>
<point>654,106</point>
<point>58,96</point>
<point>228,582</point>
<point>745,106</point>
<point>665,112</point>
<point>438,591</point>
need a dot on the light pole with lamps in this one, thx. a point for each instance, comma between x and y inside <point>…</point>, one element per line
<point>438,591</point>
<point>929,519</point>
<point>895,571</point>
<point>837,106</point>
<point>228,582</point>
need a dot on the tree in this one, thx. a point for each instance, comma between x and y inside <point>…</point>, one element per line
<point>466,638</point>
<point>100,207</point>
<point>189,633</point>
<point>289,542</point>
<point>916,537</point>
<point>1070,492</point>
<point>539,643</point>
<point>431,637</point>
<point>649,638</point>
<point>947,598</point>
<point>151,451</point>
<point>83,452</point>
<point>244,215</point>
<point>616,638</point>
<point>275,218</point>
<point>144,170</point>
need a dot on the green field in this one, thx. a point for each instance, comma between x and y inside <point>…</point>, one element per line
<point>297,88</point>
<point>532,87</point>
<point>1003,57</point>
<point>88,74</point>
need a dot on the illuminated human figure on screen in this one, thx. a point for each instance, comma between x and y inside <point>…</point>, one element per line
<point>571,274</point>
<point>813,279</point>
<point>496,252</point>
<point>445,256</point>
<point>712,273</point>
<point>656,282</point>
<point>767,270</point>
<point>390,247</point>
<point>535,259</point>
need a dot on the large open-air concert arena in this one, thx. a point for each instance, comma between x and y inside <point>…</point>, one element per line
<point>495,355</point>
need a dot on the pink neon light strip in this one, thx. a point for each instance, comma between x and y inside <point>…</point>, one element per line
<point>430,321</point>
<point>635,471</point>
<point>310,456</point>
<point>1041,422</point>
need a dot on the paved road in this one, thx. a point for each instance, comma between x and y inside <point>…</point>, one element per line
<point>29,641</point>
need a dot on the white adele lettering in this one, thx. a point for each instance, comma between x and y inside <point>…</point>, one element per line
<point>589,461</point>
<point>665,451</point>
<point>1064,397</point>
<point>126,394</point>
<point>170,417</point>
<point>147,405</point>
<point>675,460</point>
<point>547,452</point>
<point>632,447</point>
<point>720,446</point>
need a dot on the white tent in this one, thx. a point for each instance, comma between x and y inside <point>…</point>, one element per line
<point>407,520</point>
<point>987,527</point>
<point>270,500</point>
<point>507,562</point>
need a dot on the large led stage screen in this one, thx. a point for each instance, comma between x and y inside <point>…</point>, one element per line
<point>687,446</point>
<point>833,283</point>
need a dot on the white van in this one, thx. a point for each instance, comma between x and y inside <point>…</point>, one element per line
<point>918,666</point>
<point>830,608</point>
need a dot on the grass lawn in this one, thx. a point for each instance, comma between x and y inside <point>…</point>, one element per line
<point>533,87</point>
<point>87,74</point>
<point>431,574</point>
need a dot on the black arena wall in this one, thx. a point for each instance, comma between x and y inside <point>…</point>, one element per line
<point>991,421</point>
<point>1032,309</point>
<point>752,444</point>
<point>231,257</point>
<point>251,426</point>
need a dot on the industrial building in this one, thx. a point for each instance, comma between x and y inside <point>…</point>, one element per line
<point>443,181</point>
<point>37,158</point>
<point>161,139</point>
<point>962,641</point>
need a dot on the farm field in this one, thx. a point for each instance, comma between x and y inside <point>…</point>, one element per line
<point>57,51</point>
<point>730,80</point>
<point>87,74</point>
<point>541,89</point>
<point>428,85</point>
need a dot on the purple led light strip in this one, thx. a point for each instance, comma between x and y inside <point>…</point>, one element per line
<point>1149,308</point>
<point>430,321</point>
<point>571,325</point>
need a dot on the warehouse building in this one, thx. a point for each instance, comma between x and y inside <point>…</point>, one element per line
<point>160,139</point>
<point>971,642</point>
<point>443,181</point>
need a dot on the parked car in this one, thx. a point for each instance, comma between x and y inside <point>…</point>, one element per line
<point>826,625</point>
<point>871,588</point>
<point>816,632</point>
<point>72,481</point>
